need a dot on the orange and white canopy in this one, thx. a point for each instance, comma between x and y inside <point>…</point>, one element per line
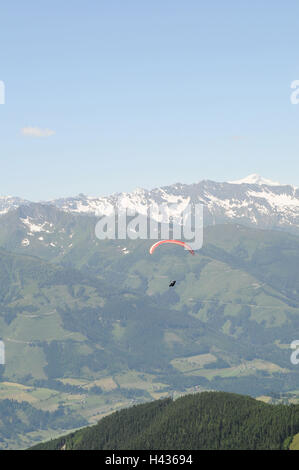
<point>175,242</point>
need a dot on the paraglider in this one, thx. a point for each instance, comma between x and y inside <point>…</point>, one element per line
<point>175,242</point>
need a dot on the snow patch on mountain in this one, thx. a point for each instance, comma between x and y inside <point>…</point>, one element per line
<point>8,203</point>
<point>256,179</point>
<point>34,227</point>
<point>279,201</point>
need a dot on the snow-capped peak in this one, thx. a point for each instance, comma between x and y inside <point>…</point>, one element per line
<point>256,179</point>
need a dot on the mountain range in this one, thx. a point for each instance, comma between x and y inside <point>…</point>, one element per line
<point>253,201</point>
<point>91,326</point>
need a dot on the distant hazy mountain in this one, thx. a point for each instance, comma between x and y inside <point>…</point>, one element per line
<point>8,203</point>
<point>256,179</point>
<point>253,201</point>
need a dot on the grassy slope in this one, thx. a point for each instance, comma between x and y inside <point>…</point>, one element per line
<point>111,321</point>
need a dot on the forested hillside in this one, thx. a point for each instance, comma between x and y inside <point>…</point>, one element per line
<point>208,420</point>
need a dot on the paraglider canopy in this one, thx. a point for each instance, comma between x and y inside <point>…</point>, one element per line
<point>175,242</point>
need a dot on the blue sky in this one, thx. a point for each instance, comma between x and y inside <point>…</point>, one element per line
<point>143,94</point>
